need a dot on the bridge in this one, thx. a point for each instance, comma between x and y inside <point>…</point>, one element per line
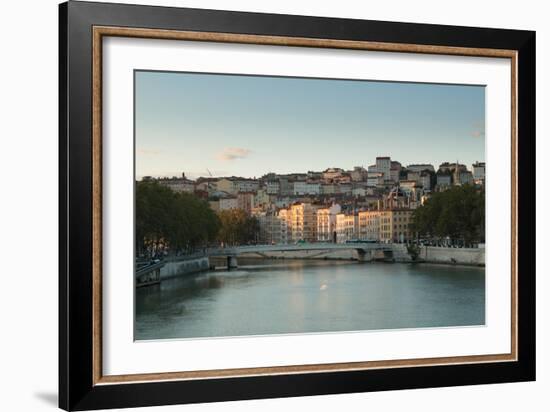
<point>365,251</point>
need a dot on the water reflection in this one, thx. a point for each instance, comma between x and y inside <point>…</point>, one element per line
<point>273,297</point>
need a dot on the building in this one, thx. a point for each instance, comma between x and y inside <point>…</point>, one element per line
<point>326,223</point>
<point>478,172</point>
<point>368,225</point>
<point>426,180</point>
<point>206,185</point>
<point>226,185</point>
<point>375,179</point>
<point>272,227</point>
<point>332,173</point>
<point>178,184</point>
<point>328,188</point>
<point>344,189</point>
<point>421,168</point>
<point>408,187</point>
<point>413,176</point>
<point>383,165</point>
<point>224,203</point>
<point>395,225</point>
<point>246,185</point>
<point>302,222</point>
<point>306,188</point>
<point>358,174</point>
<point>466,178</point>
<point>443,179</point>
<point>395,171</point>
<point>273,187</point>
<point>245,201</point>
<point>284,218</point>
<point>312,175</point>
<point>454,169</point>
<point>262,198</point>
<point>346,227</point>
<point>235,185</point>
<point>285,186</point>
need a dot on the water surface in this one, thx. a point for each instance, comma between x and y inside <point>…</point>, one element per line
<point>301,296</point>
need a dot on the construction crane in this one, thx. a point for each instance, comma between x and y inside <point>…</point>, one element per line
<point>208,182</point>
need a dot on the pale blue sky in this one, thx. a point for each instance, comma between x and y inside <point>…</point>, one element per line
<point>251,125</point>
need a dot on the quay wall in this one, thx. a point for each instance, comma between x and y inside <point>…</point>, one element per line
<point>428,254</point>
<point>461,256</point>
<point>176,267</point>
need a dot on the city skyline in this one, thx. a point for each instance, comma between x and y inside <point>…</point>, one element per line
<point>248,126</point>
<point>179,174</point>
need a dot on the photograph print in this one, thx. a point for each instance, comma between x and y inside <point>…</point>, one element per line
<point>270,205</point>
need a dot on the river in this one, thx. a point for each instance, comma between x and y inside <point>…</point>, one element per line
<point>301,296</point>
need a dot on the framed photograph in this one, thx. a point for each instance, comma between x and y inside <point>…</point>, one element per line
<point>256,205</point>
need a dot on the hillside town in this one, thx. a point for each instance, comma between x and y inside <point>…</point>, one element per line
<point>373,204</point>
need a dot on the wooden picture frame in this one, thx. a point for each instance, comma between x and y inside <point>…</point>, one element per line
<point>82,385</point>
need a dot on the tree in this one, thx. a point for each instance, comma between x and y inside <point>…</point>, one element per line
<point>237,227</point>
<point>457,213</point>
<point>164,218</point>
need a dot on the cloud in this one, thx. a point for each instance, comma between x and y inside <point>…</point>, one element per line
<point>233,153</point>
<point>479,130</point>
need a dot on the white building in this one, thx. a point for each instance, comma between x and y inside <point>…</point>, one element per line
<point>306,188</point>
<point>344,188</point>
<point>246,185</point>
<point>375,179</point>
<point>383,165</point>
<point>328,189</point>
<point>178,184</point>
<point>326,223</point>
<point>359,191</point>
<point>478,171</point>
<point>273,187</point>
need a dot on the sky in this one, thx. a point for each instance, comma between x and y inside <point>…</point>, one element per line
<point>233,125</point>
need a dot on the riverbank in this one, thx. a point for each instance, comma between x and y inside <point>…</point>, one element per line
<point>427,254</point>
<point>174,267</point>
<point>183,266</point>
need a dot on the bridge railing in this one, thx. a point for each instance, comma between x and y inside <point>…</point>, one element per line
<point>299,247</point>
<point>149,268</point>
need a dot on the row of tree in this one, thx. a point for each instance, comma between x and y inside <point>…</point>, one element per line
<point>457,213</point>
<point>182,222</point>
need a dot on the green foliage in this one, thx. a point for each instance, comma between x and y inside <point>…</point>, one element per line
<point>413,251</point>
<point>181,221</point>
<point>458,213</point>
<point>237,227</point>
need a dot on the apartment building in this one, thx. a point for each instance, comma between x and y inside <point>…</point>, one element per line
<point>326,223</point>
